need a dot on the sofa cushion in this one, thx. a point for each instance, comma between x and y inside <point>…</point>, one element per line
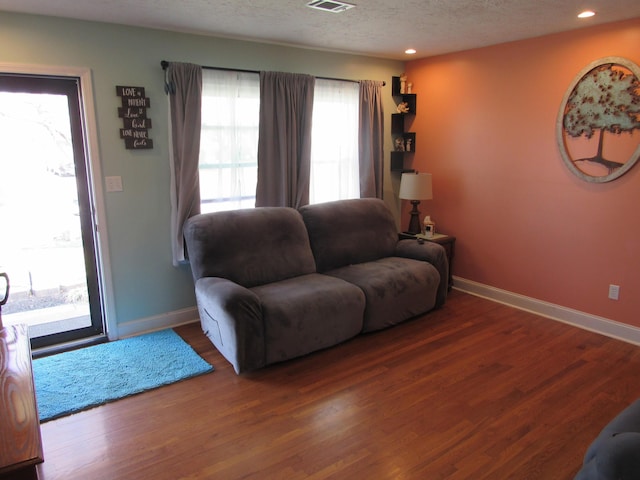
<point>395,289</point>
<point>308,313</point>
<point>250,247</point>
<point>346,232</point>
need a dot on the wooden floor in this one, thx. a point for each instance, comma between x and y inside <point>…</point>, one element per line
<point>476,390</point>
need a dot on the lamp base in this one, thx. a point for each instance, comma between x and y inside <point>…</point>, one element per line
<point>414,222</point>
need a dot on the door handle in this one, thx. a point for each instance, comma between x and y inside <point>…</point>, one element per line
<point>6,291</point>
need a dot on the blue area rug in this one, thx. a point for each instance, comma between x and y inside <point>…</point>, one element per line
<point>72,381</point>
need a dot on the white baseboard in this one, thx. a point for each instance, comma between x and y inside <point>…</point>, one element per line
<point>586,321</point>
<point>157,322</point>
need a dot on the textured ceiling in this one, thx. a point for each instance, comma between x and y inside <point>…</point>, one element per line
<point>381,28</point>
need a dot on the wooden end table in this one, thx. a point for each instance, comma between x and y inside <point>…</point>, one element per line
<point>20,438</point>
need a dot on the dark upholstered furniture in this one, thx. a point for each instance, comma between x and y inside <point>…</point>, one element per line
<point>615,453</point>
<point>274,283</point>
<point>357,241</point>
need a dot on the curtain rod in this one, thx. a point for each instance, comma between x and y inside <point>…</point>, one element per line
<point>165,64</point>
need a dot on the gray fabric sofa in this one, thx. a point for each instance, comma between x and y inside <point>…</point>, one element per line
<point>275,283</point>
<point>615,452</point>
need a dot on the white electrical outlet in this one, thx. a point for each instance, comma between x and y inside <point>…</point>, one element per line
<point>614,292</point>
<point>113,184</point>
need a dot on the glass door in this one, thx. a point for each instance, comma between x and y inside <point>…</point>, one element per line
<point>47,228</point>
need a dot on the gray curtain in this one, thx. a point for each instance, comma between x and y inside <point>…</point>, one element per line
<point>284,142</point>
<point>184,86</point>
<point>371,141</point>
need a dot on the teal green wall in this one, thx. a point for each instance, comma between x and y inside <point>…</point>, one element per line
<point>145,282</point>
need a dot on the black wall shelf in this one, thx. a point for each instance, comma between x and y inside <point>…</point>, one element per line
<point>404,142</point>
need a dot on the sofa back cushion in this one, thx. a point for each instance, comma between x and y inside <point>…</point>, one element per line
<point>348,232</point>
<point>250,247</point>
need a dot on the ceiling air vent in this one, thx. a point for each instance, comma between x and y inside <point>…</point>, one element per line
<point>330,6</point>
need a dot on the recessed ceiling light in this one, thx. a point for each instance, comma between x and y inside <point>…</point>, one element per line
<point>410,51</point>
<point>586,14</point>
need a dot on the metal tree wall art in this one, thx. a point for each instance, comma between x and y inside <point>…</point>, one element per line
<point>603,101</point>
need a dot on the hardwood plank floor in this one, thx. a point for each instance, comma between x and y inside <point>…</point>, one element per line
<point>475,390</point>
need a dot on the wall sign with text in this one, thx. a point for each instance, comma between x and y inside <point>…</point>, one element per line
<point>134,118</point>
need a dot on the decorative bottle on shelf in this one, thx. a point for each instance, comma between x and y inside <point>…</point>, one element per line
<point>429,227</point>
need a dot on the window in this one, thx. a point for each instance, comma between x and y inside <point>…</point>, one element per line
<point>334,141</point>
<point>228,165</point>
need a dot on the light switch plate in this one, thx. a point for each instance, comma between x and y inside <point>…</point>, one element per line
<point>113,184</point>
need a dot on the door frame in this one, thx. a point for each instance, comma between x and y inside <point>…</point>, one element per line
<point>94,176</point>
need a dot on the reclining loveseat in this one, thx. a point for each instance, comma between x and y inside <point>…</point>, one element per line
<point>275,283</point>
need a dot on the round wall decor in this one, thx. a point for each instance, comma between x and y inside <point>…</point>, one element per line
<point>598,126</point>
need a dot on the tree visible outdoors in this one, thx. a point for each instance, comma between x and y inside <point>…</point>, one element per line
<point>40,244</point>
<point>606,99</point>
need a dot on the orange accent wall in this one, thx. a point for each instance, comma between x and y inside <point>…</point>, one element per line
<point>524,223</point>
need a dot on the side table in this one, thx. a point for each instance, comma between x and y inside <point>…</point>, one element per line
<point>447,241</point>
<point>20,438</point>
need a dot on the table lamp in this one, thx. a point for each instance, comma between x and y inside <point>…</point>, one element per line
<point>415,187</point>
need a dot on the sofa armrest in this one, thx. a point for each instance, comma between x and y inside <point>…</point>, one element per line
<point>617,459</point>
<point>613,454</point>
<point>429,252</point>
<point>231,316</point>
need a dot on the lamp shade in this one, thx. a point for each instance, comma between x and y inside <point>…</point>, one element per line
<point>416,186</point>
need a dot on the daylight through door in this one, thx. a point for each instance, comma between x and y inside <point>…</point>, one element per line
<point>47,239</point>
